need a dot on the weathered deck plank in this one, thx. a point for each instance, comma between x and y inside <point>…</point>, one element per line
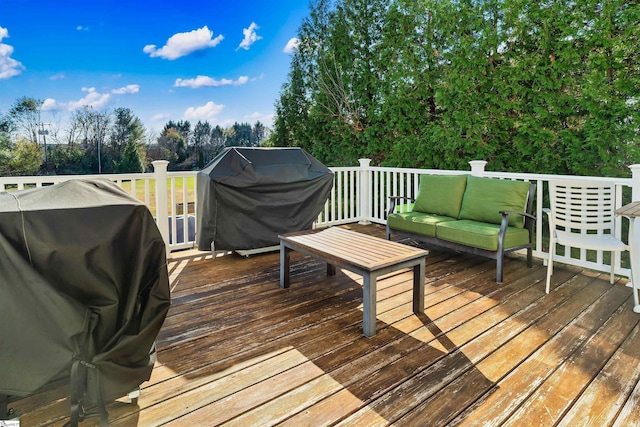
<point>238,350</point>
<point>555,395</point>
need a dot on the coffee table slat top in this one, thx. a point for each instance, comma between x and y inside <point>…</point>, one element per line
<point>631,209</point>
<point>366,252</point>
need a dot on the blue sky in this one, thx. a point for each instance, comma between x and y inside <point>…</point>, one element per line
<point>221,61</point>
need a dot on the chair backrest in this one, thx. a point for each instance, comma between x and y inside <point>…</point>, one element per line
<point>584,206</point>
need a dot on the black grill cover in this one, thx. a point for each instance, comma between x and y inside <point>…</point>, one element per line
<point>248,196</point>
<point>83,275</point>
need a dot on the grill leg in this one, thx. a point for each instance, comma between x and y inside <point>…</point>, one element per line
<point>4,402</point>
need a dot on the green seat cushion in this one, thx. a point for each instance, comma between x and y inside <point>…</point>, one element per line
<point>416,222</point>
<point>480,234</point>
<point>484,198</point>
<point>440,194</point>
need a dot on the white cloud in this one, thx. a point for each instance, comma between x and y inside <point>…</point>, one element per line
<point>291,46</point>
<point>160,117</point>
<point>182,44</point>
<point>51,104</point>
<point>204,112</point>
<point>93,99</point>
<point>204,81</point>
<point>58,76</point>
<point>250,36</point>
<point>9,67</point>
<point>81,28</point>
<point>226,123</point>
<point>126,90</point>
<point>265,119</point>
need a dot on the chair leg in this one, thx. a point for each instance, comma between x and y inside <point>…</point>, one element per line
<point>552,250</point>
<point>4,413</point>
<point>630,283</point>
<point>614,262</point>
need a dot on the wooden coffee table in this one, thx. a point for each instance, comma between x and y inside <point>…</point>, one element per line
<point>365,255</point>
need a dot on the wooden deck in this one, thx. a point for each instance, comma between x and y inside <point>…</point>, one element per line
<point>238,350</point>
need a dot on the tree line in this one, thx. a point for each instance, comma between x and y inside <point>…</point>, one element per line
<point>530,86</point>
<point>114,141</point>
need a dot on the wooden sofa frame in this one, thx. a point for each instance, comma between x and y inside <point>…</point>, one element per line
<point>498,255</point>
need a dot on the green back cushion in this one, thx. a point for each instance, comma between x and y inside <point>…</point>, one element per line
<point>440,194</point>
<point>486,197</point>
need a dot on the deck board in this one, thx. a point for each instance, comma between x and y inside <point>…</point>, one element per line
<point>236,349</point>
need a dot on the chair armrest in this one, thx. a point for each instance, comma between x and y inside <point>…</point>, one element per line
<point>552,223</point>
<point>393,201</point>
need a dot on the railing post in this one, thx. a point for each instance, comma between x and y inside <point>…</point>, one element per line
<point>477,167</point>
<point>635,182</point>
<point>365,197</point>
<point>162,209</point>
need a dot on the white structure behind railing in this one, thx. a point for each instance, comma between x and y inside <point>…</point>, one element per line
<point>359,194</point>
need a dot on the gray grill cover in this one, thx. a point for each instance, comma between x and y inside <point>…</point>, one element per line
<point>248,196</point>
<point>82,274</point>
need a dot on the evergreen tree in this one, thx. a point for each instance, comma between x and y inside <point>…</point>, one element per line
<point>218,140</point>
<point>202,143</point>
<point>548,87</point>
<point>130,161</point>
<point>126,129</point>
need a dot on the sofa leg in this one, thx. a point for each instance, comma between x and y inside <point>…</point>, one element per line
<point>530,257</point>
<point>499,270</point>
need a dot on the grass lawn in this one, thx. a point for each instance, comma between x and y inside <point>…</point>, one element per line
<point>180,185</point>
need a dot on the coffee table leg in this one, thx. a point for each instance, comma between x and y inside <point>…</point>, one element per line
<point>418,287</point>
<point>285,263</point>
<point>331,270</point>
<point>369,304</point>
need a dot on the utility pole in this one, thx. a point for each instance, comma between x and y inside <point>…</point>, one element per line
<point>44,132</point>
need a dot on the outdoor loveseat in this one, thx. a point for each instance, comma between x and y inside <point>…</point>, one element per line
<point>483,216</point>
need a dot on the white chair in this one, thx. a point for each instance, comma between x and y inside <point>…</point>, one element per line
<point>582,216</point>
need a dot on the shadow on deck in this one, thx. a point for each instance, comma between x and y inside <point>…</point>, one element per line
<point>238,350</point>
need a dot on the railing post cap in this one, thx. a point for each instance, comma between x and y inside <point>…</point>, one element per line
<point>477,167</point>
<point>365,162</point>
<point>634,167</point>
<point>160,165</point>
<point>478,162</point>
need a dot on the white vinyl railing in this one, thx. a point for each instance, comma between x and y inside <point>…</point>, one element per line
<point>169,196</point>
<point>342,206</point>
<point>360,194</point>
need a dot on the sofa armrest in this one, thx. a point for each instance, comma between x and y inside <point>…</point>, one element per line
<point>393,200</point>
<point>527,215</point>
<point>531,219</point>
